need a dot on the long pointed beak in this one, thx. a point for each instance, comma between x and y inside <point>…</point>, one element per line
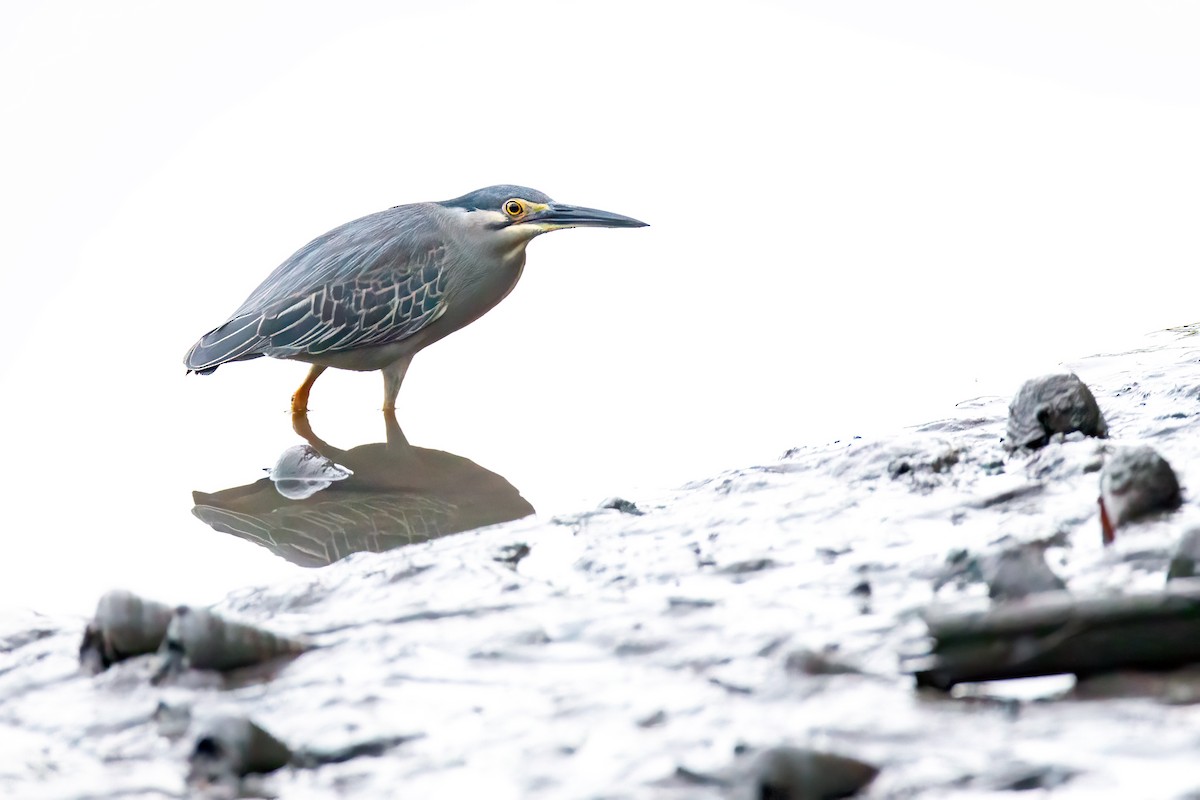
<point>559,215</point>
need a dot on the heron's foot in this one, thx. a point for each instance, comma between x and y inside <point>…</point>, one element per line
<point>300,398</point>
<point>300,402</point>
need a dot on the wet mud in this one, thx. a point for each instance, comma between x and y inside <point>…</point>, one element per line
<point>725,642</point>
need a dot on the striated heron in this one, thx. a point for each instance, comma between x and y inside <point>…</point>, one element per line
<point>372,293</point>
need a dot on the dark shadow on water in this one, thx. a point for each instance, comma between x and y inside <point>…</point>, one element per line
<point>397,495</point>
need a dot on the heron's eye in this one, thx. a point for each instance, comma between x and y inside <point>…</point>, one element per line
<point>514,208</point>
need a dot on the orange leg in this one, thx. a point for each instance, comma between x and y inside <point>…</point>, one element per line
<point>300,398</point>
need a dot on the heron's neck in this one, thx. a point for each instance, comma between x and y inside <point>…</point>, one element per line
<point>507,244</point>
<point>512,248</point>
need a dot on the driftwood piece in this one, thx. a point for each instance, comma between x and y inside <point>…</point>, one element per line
<point>1056,633</point>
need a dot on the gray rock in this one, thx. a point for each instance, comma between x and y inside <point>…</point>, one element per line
<point>1019,777</point>
<point>512,554</point>
<point>622,505</point>
<point>793,773</point>
<point>227,748</point>
<point>812,662</point>
<point>1135,482</point>
<point>747,566</point>
<point>1049,405</point>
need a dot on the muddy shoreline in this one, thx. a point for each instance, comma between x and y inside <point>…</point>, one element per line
<point>658,654</point>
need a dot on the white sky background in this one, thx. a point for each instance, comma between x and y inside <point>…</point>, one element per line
<point>861,212</point>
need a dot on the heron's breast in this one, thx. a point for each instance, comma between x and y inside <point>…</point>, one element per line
<point>476,290</point>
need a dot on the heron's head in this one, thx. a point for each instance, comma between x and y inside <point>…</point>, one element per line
<point>519,213</point>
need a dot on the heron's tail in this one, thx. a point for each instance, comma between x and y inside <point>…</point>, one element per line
<point>236,340</point>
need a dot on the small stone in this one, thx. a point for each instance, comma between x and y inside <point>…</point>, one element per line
<point>653,720</point>
<point>1186,556</point>
<point>1135,482</point>
<point>962,568</point>
<point>173,721</point>
<point>1052,404</point>
<point>749,565</point>
<point>685,604</point>
<point>228,748</point>
<point>1029,777</point>
<point>1019,572</point>
<point>196,638</point>
<point>511,554</point>
<point>622,505</point>
<point>813,662</point>
<point>925,465</point>
<point>792,773</point>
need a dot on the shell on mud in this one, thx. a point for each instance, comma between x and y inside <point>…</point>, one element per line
<point>199,639</point>
<point>301,472</point>
<point>228,748</point>
<point>1052,404</point>
<point>124,626</point>
<point>793,773</point>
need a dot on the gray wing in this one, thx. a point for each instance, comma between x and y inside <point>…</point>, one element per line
<point>370,282</point>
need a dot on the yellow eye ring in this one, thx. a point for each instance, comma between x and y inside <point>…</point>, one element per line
<point>514,208</point>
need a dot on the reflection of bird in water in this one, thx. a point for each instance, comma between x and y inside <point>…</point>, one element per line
<point>397,494</point>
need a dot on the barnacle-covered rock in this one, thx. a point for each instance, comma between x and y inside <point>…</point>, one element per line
<point>124,626</point>
<point>1052,404</point>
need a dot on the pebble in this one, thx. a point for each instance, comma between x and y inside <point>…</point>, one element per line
<point>1134,482</point>
<point>793,773</point>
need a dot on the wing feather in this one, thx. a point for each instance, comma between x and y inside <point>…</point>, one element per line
<point>373,281</point>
